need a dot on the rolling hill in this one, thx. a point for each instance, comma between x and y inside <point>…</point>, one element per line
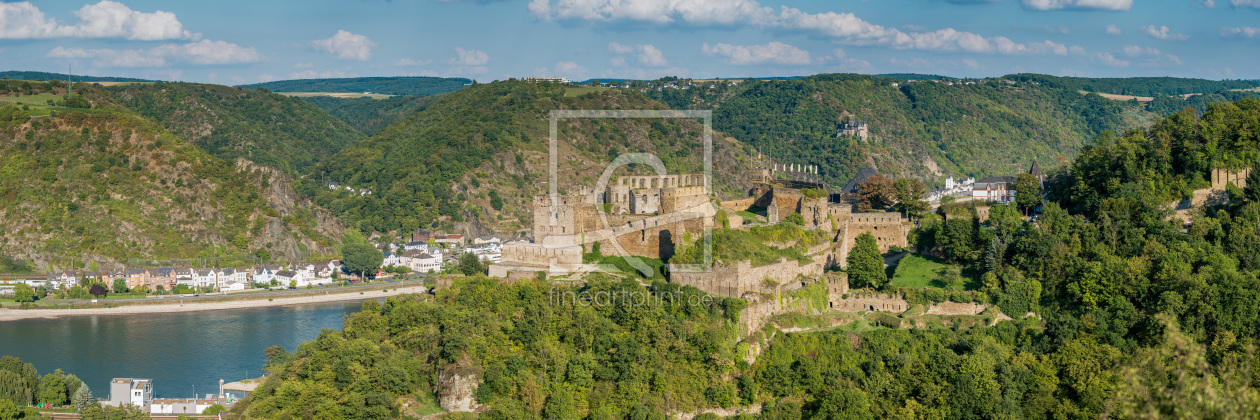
<point>406,86</point>
<point>46,76</point>
<point>270,129</point>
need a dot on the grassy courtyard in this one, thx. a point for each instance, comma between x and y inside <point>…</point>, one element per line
<point>924,271</point>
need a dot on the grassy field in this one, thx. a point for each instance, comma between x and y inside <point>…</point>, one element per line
<point>924,271</point>
<point>570,92</point>
<point>337,94</point>
<point>37,103</point>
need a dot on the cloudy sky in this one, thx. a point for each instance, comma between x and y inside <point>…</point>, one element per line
<point>236,42</point>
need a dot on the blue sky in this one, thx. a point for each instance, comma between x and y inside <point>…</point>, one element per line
<point>235,42</point>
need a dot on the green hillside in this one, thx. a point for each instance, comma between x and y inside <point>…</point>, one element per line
<point>368,115</point>
<point>228,122</point>
<point>448,162</point>
<point>406,86</point>
<point>927,129</point>
<point>104,186</point>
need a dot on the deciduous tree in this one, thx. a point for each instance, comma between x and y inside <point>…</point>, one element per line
<point>865,265</point>
<point>1028,193</point>
<point>23,293</point>
<point>875,193</point>
<point>910,195</point>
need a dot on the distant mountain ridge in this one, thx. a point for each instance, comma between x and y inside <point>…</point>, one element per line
<point>40,75</point>
<point>407,86</point>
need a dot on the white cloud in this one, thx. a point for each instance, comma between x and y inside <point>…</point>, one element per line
<point>647,54</point>
<point>844,27</point>
<point>469,57</point>
<point>1114,5</point>
<point>1244,31</point>
<point>204,52</point>
<point>566,69</point>
<point>106,19</point>
<point>1108,59</point>
<point>1143,56</point>
<point>346,46</point>
<point>774,52</point>
<point>1113,30</point>
<point>303,65</point>
<point>1207,4</point>
<point>1164,33</point>
<point>1254,4</point>
<point>408,62</point>
<point>312,74</point>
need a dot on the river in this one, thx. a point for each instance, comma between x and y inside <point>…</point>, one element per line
<point>179,351</point>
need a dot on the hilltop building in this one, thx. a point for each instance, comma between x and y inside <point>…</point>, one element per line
<point>851,127</point>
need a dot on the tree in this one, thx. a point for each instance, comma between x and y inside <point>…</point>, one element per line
<point>97,290</point>
<point>1028,193</point>
<point>359,255</point>
<point>23,293</point>
<point>52,389</point>
<point>82,398</point>
<point>1252,192</point>
<point>795,218</point>
<point>9,410</point>
<point>865,265</point>
<point>120,286</point>
<point>470,264</point>
<point>875,193</point>
<point>910,194</point>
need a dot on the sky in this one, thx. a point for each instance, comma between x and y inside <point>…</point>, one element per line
<point>239,42</point>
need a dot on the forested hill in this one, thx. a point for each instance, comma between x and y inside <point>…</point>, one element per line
<point>925,128</point>
<point>45,76</point>
<point>228,122</point>
<point>102,187</point>
<point>407,86</point>
<point>370,115</point>
<point>479,155</point>
<point>1136,86</point>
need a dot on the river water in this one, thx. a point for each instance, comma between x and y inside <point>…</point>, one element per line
<point>179,351</point>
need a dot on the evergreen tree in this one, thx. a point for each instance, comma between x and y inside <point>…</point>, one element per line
<point>1252,192</point>
<point>82,398</point>
<point>865,264</point>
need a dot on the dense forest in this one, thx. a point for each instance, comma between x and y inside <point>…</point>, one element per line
<point>370,115</point>
<point>270,129</point>
<point>406,86</point>
<point>1131,317</point>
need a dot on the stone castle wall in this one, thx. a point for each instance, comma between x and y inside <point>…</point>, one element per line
<point>1222,177</point>
<point>741,278</point>
<point>870,302</point>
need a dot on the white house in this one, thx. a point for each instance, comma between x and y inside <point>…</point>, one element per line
<point>421,262</point>
<point>205,277</point>
<point>264,274</point>
<point>412,246</point>
<point>285,277</point>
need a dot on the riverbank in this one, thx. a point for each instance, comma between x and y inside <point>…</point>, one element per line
<point>239,302</point>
